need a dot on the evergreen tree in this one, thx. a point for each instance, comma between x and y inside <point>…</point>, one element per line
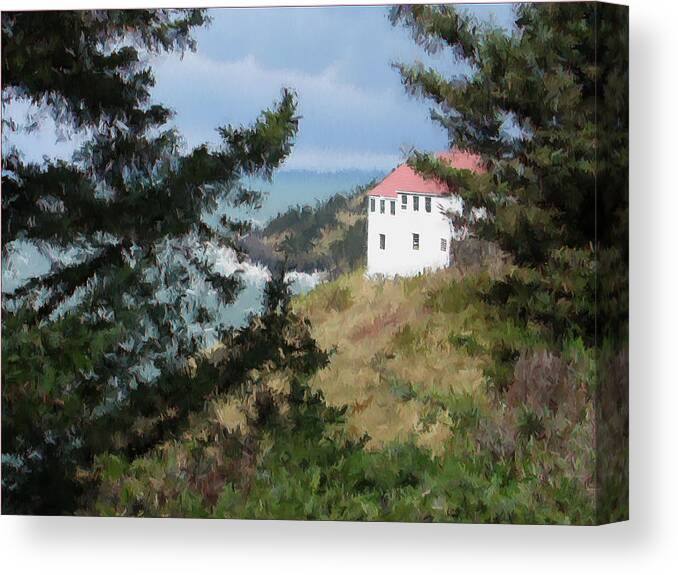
<point>546,106</point>
<point>126,301</point>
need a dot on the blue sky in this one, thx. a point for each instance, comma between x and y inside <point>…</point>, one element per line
<point>355,113</point>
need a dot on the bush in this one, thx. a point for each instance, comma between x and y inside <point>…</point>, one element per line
<point>543,382</point>
<point>339,299</point>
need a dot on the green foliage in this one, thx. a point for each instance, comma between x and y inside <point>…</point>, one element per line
<point>45,405</point>
<point>403,390</point>
<point>339,299</point>
<point>309,220</point>
<point>130,206</point>
<point>408,340</point>
<point>528,458</point>
<point>330,236</point>
<point>305,470</point>
<point>277,337</point>
<point>87,65</point>
<point>546,107</point>
<point>350,249</point>
<point>530,425</point>
<point>466,342</point>
<point>110,404</point>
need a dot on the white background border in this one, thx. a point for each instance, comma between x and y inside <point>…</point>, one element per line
<point>647,543</point>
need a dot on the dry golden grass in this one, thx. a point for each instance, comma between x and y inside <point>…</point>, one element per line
<point>392,358</point>
<point>230,414</point>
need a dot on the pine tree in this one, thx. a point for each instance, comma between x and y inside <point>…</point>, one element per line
<point>83,342</point>
<point>545,105</point>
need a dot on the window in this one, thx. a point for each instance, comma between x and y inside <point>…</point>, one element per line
<point>443,245</point>
<point>393,207</point>
<point>382,241</point>
<point>404,200</point>
<point>415,203</point>
<point>382,206</point>
<point>427,203</point>
<point>371,204</point>
<point>415,241</point>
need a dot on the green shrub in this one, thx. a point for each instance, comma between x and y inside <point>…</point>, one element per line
<point>339,299</point>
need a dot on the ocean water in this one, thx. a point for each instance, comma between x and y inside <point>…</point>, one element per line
<point>289,188</point>
<point>304,187</point>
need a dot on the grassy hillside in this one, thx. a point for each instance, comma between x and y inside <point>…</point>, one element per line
<point>331,236</point>
<point>395,362</point>
<point>403,423</point>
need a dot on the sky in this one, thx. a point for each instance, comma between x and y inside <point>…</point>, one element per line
<point>355,114</point>
<point>356,119</point>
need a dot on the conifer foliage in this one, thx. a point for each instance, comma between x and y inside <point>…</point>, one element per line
<point>124,222</point>
<point>545,104</point>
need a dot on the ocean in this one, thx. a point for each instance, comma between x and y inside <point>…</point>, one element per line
<point>303,187</point>
<point>287,189</point>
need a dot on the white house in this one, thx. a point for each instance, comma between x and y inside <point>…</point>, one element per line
<point>407,229</point>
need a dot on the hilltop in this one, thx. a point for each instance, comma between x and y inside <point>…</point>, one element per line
<point>403,425</point>
<point>329,236</point>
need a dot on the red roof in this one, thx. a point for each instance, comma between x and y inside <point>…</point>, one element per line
<point>405,179</point>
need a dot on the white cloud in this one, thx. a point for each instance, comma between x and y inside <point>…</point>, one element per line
<point>342,126</point>
<point>333,160</point>
<point>248,79</point>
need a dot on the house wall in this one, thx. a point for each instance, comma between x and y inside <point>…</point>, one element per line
<point>399,257</point>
